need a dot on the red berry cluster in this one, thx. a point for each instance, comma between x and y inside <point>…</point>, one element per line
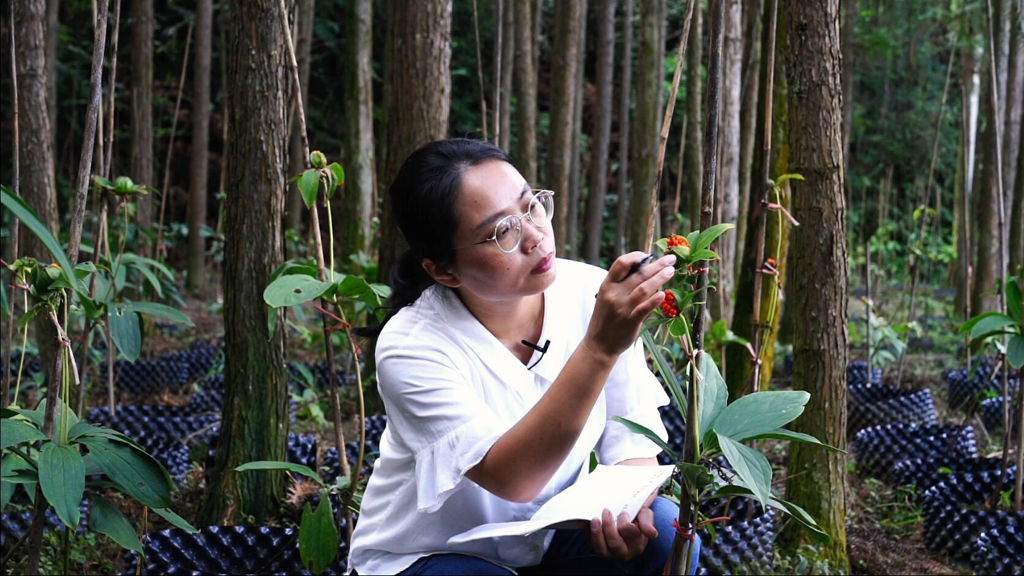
<point>669,307</point>
<point>677,240</point>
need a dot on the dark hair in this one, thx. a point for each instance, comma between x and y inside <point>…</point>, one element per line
<point>423,197</point>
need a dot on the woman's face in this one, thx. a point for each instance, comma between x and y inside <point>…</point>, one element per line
<point>491,191</point>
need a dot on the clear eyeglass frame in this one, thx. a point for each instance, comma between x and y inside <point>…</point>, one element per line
<point>515,223</point>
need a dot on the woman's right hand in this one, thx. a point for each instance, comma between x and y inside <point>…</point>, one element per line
<point>623,303</point>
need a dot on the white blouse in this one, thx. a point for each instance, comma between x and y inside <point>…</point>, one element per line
<point>451,389</point>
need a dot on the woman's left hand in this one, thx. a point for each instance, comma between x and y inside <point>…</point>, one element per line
<point>621,539</point>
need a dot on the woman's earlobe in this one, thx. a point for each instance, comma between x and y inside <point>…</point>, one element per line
<point>441,274</point>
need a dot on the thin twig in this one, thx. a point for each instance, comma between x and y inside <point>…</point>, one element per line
<point>108,154</point>
<point>16,175</point>
<point>170,147</point>
<point>480,71</point>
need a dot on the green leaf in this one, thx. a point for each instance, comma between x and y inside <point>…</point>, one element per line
<point>647,432</point>
<point>705,238</point>
<point>593,461</point>
<point>738,488</point>
<point>27,317</point>
<point>991,324</point>
<point>124,327</point>
<point>151,278</point>
<point>665,371</point>
<point>62,478</point>
<point>62,408</point>
<point>357,288</point>
<point>309,184</point>
<point>13,464</point>
<point>751,466</point>
<point>338,177</point>
<point>318,536</point>
<point>293,289</point>
<point>36,416</point>
<point>106,518</point>
<point>160,310</point>
<point>14,432</point>
<point>970,324</point>
<point>174,519</point>
<point>760,412</point>
<point>275,465</point>
<point>84,429</point>
<point>28,217</point>
<point>714,394</point>
<point>704,254</point>
<point>783,434</point>
<point>1013,301</point>
<point>138,473</point>
<point>1015,350</point>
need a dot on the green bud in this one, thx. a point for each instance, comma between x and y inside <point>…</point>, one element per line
<point>123,185</point>
<point>317,159</point>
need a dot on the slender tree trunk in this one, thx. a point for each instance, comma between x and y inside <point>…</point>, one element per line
<point>255,419</point>
<point>986,269</point>
<point>417,96</point>
<point>508,53</point>
<point>576,178</point>
<point>1017,215</point>
<point>525,93</point>
<point>849,57</point>
<point>694,137</point>
<point>599,153</point>
<point>361,168</point>
<point>303,48</point>
<point>646,123</point>
<point>962,212</point>
<point>142,105</point>
<point>752,12</point>
<point>625,86</point>
<point>1014,101</point>
<point>199,164</point>
<point>52,41</point>
<point>558,166</point>
<point>728,200</point>
<point>820,349</point>
<point>776,238</point>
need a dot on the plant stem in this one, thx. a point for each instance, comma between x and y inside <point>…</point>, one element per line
<point>108,156</point>
<point>5,389</point>
<point>21,361</point>
<point>170,147</point>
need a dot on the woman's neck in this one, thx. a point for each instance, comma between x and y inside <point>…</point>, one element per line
<point>511,321</point>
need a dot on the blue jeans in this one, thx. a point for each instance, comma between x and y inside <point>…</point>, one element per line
<point>571,553</point>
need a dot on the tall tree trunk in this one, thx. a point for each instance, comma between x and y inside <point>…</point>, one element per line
<point>142,105</point>
<point>361,165</point>
<point>38,188</point>
<point>417,96</point>
<point>986,268</point>
<point>646,123</point>
<point>625,86</point>
<point>849,56</point>
<point>52,40</point>
<point>255,419</point>
<point>1017,214</point>
<point>508,53</point>
<point>525,93</point>
<point>752,12</point>
<point>962,215</point>
<point>296,161</point>
<point>776,238</point>
<point>564,59</point>
<point>198,165</point>
<point>817,477</point>
<point>576,195</point>
<point>602,137</point>
<point>729,184</point>
<point>694,155</point>
<point>1014,102</point>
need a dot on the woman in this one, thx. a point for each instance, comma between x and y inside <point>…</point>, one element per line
<point>483,426</point>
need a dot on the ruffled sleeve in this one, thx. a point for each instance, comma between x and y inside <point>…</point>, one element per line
<point>632,392</point>
<point>437,414</point>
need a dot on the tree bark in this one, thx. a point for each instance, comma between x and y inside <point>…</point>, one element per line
<point>198,165</point>
<point>849,56</point>
<point>508,53</point>
<point>986,268</point>
<point>417,96</point>
<point>817,477</point>
<point>558,166</point>
<point>142,105</point>
<point>576,181</point>
<point>1014,103</point>
<point>752,12</point>
<point>602,137</point>
<point>525,93</point>
<point>360,160</point>
<point>52,41</point>
<point>962,214</point>
<point>1017,214</point>
<point>694,127</point>
<point>646,123</point>
<point>296,157</point>
<point>255,419</point>
<point>729,186</point>
<point>625,86</point>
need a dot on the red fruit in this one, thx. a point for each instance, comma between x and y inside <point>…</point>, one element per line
<point>669,307</point>
<point>677,240</point>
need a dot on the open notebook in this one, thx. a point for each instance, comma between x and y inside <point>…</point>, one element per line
<point>617,488</point>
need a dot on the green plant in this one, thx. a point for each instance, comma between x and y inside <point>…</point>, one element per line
<point>721,428</point>
<point>318,530</point>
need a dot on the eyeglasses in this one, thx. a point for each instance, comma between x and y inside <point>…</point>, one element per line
<point>508,232</point>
